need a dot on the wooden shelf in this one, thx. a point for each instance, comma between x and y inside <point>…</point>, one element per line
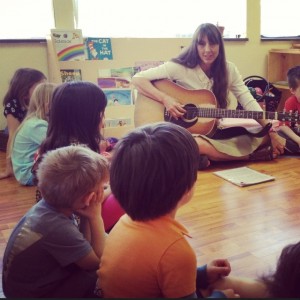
<point>280,86</point>
<point>279,62</point>
<point>285,51</point>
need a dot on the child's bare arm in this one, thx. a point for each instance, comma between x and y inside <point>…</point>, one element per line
<point>89,262</point>
<point>93,227</point>
<point>245,287</point>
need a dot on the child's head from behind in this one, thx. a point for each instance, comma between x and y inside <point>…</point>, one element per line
<point>152,168</point>
<point>293,77</point>
<point>40,100</point>
<point>76,113</point>
<point>70,173</point>
<point>284,283</point>
<point>22,85</point>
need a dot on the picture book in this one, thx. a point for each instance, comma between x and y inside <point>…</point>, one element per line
<point>118,97</point>
<point>70,75</point>
<point>98,48</point>
<point>113,82</point>
<point>244,176</point>
<point>68,44</point>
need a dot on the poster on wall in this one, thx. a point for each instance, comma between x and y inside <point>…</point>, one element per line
<point>68,44</point>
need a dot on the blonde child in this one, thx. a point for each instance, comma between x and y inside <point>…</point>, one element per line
<point>47,254</point>
<point>31,133</point>
<point>77,116</point>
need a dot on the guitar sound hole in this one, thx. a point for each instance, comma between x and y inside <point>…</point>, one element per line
<point>189,119</point>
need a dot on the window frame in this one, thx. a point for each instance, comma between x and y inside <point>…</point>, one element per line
<point>263,15</point>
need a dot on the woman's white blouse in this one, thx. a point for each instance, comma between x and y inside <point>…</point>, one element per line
<point>196,79</point>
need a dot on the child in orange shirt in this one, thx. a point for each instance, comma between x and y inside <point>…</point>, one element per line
<point>153,174</point>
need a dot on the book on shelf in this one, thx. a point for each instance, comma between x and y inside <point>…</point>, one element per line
<point>70,75</point>
<point>117,122</point>
<point>98,48</point>
<point>113,82</point>
<point>244,176</point>
<point>118,96</point>
<point>68,44</point>
<point>116,84</point>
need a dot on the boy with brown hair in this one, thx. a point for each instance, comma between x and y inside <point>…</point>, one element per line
<point>289,130</point>
<point>47,255</point>
<point>146,255</point>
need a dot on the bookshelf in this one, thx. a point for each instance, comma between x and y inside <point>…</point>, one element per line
<point>89,71</point>
<point>279,61</point>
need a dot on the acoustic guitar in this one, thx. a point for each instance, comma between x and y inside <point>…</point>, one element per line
<point>201,110</point>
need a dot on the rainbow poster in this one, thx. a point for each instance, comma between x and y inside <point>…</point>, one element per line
<point>68,44</point>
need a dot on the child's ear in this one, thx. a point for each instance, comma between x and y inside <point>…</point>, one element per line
<point>87,199</point>
<point>186,197</point>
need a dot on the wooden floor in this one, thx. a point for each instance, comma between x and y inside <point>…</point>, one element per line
<point>247,225</point>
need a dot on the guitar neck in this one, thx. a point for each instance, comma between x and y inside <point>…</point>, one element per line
<point>219,113</point>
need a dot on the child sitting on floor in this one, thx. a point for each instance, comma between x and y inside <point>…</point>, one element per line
<point>47,255</point>
<point>290,130</point>
<point>31,132</point>
<point>77,117</point>
<point>282,283</point>
<point>153,173</point>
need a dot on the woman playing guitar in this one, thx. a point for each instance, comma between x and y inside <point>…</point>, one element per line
<point>203,65</point>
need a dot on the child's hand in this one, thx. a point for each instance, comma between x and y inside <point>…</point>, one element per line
<point>92,210</point>
<point>217,268</point>
<point>107,155</point>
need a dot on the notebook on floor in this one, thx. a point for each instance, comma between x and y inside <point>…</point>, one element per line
<point>244,176</point>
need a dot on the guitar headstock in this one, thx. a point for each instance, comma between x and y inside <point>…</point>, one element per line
<point>290,117</point>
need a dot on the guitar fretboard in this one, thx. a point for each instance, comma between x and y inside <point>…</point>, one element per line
<point>193,112</point>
